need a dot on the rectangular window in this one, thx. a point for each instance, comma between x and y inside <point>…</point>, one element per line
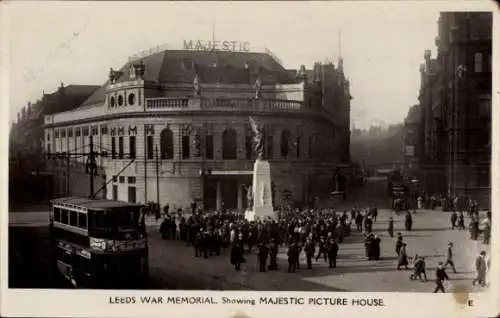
<point>64,216</point>
<point>122,179</point>
<point>56,133</point>
<point>78,132</point>
<point>48,148</point>
<point>115,192</point>
<point>131,195</point>
<point>113,148</point>
<point>57,214</point>
<point>270,141</point>
<point>310,150</point>
<point>131,147</point>
<point>115,178</point>
<point>209,147</point>
<point>185,147</point>
<point>73,218</point>
<point>297,147</point>
<point>104,129</point>
<point>63,132</point>
<point>82,220</point>
<point>120,147</point>
<point>150,147</point>
<point>86,131</point>
<point>478,62</point>
<point>248,147</point>
<point>95,130</point>
<point>131,179</point>
<point>48,136</point>
<point>70,132</point>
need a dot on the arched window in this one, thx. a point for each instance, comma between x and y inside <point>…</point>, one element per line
<point>229,144</point>
<point>167,144</point>
<point>285,143</point>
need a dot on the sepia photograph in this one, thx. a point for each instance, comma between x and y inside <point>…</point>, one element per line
<point>258,147</point>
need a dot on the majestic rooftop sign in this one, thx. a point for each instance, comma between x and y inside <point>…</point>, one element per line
<point>229,46</point>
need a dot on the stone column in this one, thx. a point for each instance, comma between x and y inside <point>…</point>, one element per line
<point>218,199</point>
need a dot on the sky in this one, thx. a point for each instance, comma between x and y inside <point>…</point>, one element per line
<point>382,43</point>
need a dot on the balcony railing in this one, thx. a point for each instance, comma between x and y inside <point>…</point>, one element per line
<point>223,104</point>
<point>167,103</point>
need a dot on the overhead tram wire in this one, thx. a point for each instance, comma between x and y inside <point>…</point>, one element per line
<point>91,166</point>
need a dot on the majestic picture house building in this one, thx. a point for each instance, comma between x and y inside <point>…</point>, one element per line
<point>173,127</point>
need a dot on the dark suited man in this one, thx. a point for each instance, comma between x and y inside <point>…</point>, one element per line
<point>273,253</point>
<point>440,277</point>
<point>390,227</point>
<point>449,258</point>
<point>263,253</point>
<point>359,222</point>
<point>322,249</point>
<point>163,229</point>
<point>309,249</point>
<point>333,249</point>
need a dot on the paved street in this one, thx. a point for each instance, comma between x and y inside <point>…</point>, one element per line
<point>173,264</point>
<point>429,238</point>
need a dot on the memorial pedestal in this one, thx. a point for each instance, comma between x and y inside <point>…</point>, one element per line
<point>262,192</point>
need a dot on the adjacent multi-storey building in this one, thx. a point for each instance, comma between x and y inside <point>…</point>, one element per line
<point>26,140</point>
<point>455,102</point>
<point>173,127</point>
<point>411,140</point>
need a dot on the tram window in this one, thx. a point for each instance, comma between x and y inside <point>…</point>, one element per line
<point>57,214</point>
<point>96,220</point>
<point>73,218</point>
<point>82,220</point>
<point>64,216</point>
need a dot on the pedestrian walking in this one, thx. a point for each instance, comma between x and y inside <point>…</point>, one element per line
<point>408,221</point>
<point>333,249</point>
<point>309,249</point>
<point>449,257</point>
<point>263,253</point>
<point>402,258</point>
<point>453,219</point>
<point>481,268</point>
<point>292,258</point>
<point>461,221</point>
<point>322,249</point>
<point>441,276</point>
<point>399,243</point>
<point>273,253</point>
<point>390,227</point>
<point>419,269</point>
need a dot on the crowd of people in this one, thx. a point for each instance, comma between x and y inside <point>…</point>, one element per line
<point>316,233</point>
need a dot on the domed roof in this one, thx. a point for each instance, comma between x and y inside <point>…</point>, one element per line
<point>180,66</point>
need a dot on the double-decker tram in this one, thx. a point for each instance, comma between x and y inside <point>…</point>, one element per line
<point>98,243</point>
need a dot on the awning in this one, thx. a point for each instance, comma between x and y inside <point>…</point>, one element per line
<point>231,173</point>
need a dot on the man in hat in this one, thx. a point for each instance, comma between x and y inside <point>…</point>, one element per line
<point>449,258</point>
<point>390,228</point>
<point>440,277</point>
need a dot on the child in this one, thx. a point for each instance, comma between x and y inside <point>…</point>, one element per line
<point>418,269</point>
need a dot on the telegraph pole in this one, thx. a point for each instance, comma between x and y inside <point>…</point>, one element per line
<point>67,176</point>
<point>157,178</point>
<point>91,167</point>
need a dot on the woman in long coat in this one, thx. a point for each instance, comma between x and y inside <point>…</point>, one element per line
<point>402,257</point>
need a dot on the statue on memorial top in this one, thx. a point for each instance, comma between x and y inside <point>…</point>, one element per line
<point>259,141</point>
<point>196,85</point>
<point>258,88</point>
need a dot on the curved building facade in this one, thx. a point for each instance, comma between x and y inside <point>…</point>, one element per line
<point>174,128</point>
